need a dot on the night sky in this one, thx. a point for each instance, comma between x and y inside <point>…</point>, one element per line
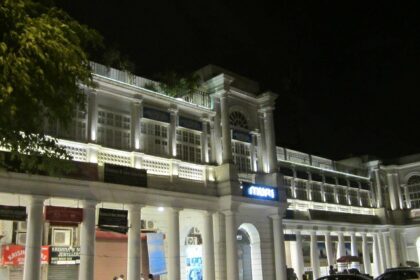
<point>347,72</point>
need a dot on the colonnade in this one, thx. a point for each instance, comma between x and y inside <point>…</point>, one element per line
<point>386,253</point>
<point>32,263</point>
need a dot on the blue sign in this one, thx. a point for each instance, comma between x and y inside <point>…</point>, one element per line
<point>157,264</point>
<point>194,268</point>
<point>260,191</point>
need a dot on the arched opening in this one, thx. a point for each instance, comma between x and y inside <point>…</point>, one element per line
<point>249,253</point>
<point>194,255</point>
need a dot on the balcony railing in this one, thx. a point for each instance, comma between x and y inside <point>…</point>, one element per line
<point>154,165</point>
<point>200,98</point>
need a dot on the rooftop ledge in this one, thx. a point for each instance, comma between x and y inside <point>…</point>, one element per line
<point>199,98</point>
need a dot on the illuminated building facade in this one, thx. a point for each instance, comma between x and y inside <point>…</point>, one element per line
<point>223,200</point>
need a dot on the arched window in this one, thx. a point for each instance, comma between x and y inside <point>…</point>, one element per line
<point>413,180</point>
<point>237,119</point>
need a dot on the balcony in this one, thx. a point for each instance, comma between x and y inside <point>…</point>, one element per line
<point>199,98</point>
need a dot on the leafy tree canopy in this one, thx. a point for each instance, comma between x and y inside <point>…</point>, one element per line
<point>176,85</point>
<point>43,61</point>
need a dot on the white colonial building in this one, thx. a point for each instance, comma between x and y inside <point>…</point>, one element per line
<point>224,200</point>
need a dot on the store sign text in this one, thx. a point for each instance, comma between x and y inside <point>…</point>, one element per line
<point>259,191</point>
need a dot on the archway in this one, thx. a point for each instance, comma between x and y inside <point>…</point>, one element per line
<point>249,253</point>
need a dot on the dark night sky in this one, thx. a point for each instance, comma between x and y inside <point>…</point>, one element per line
<point>347,72</point>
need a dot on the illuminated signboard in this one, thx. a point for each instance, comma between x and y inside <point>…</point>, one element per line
<point>260,191</point>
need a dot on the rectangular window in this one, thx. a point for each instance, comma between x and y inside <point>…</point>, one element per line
<point>113,129</point>
<point>154,137</point>
<point>241,155</point>
<point>189,142</point>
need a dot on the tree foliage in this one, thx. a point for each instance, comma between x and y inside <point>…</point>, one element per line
<point>175,85</point>
<point>42,64</point>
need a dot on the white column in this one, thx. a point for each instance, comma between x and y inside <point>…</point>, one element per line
<point>387,249</point>
<point>92,117</point>
<point>217,135</point>
<point>294,191</point>
<point>407,197</point>
<point>309,186</point>
<point>353,247</point>
<point>341,250</point>
<point>262,157</point>
<point>382,251</point>
<point>393,245</point>
<point>270,140</point>
<point>298,254</point>
<point>35,222</point>
<point>403,248</point>
<point>174,272</point>
<point>323,197</point>
<point>348,192</point>
<point>392,191</point>
<point>205,158</point>
<point>208,244</point>
<point>136,114</point>
<point>226,137</point>
<point>87,241</point>
<point>314,255</point>
<point>377,261</point>
<point>336,198</point>
<point>328,248</point>
<point>399,192</point>
<point>172,131</point>
<point>134,243</point>
<point>366,254</point>
<point>379,201</point>
<point>254,167</point>
<point>231,246</point>
<point>279,250</point>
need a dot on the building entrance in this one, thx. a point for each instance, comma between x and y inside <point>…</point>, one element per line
<point>244,255</point>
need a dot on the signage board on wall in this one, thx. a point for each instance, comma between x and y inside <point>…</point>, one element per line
<point>15,255</point>
<point>157,115</point>
<point>260,191</point>
<point>64,255</point>
<point>156,252</point>
<point>113,220</point>
<point>12,213</point>
<point>63,214</point>
<point>125,175</point>
<point>191,124</point>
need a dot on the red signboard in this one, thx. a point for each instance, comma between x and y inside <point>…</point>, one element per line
<point>63,214</point>
<point>15,255</point>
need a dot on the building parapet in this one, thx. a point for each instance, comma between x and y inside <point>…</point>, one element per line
<point>200,98</point>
